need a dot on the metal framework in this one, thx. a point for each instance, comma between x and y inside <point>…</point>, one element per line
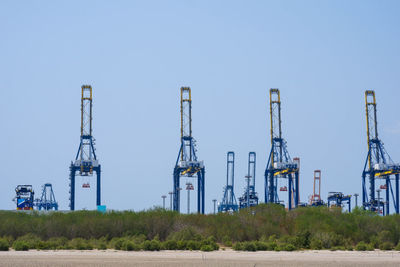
<point>187,164</point>
<point>85,161</point>
<point>338,199</point>
<point>316,199</point>
<point>24,197</point>
<point>48,200</point>
<point>379,167</point>
<point>250,197</point>
<point>229,203</point>
<point>280,165</point>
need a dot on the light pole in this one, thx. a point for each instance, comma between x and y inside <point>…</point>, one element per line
<point>356,196</point>
<point>170,198</point>
<point>163,201</point>
<point>189,187</point>
<point>379,201</point>
<point>215,201</point>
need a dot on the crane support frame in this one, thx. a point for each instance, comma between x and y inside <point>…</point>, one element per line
<point>280,165</point>
<point>250,196</point>
<point>187,164</point>
<point>228,203</point>
<point>379,168</point>
<point>86,162</point>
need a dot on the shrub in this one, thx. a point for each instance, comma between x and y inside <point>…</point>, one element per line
<point>361,246</point>
<point>181,245</point>
<point>20,245</point>
<point>249,246</point>
<point>151,245</point>
<point>238,246</point>
<point>170,245</point>
<point>261,245</point>
<point>227,241</point>
<point>397,247</point>
<point>316,244</point>
<point>80,244</point>
<point>206,248</point>
<point>31,240</point>
<point>271,246</point>
<point>386,246</point>
<point>193,245</point>
<point>288,247</point>
<point>4,245</point>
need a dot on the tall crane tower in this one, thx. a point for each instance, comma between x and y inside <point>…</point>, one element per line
<point>187,164</point>
<point>379,167</point>
<point>316,199</point>
<point>280,165</point>
<point>229,203</point>
<point>250,197</point>
<point>85,161</point>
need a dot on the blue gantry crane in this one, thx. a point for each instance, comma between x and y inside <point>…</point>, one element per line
<point>250,197</point>
<point>338,199</point>
<point>379,167</point>
<point>187,164</point>
<point>280,165</point>
<point>85,161</point>
<point>24,197</point>
<point>48,200</point>
<point>229,203</point>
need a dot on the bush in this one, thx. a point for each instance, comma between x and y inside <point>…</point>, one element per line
<point>170,245</point>
<point>261,245</point>
<point>20,245</point>
<point>397,247</point>
<point>152,245</point>
<point>130,246</point>
<point>288,247</point>
<point>80,244</point>
<point>181,245</point>
<point>361,246</point>
<point>238,246</point>
<point>316,244</point>
<point>31,240</point>
<point>4,245</point>
<point>206,248</point>
<point>249,246</point>
<point>193,245</point>
<point>386,246</point>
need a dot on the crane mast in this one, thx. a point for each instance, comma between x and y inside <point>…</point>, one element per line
<point>187,164</point>
<point>280,165</point>
<point>379,167</point>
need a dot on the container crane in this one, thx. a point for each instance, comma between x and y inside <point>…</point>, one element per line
<point>187,164</point>
<point>280,165</point>
<point>379,168</point>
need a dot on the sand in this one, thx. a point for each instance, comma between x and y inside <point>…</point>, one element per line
<point>196,258</point>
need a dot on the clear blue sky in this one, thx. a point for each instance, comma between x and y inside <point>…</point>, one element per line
<point>322,55</point>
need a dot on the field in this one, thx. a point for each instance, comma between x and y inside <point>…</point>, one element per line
<point>263,228</point>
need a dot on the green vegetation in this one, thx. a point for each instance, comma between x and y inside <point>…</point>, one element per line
<point>266,227</point>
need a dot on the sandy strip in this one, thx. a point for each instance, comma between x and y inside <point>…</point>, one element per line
<point>35,258</point>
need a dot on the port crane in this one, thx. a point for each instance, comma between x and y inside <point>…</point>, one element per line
<point>280,165</point>
<point>379,168</point>
<point>187,164</point>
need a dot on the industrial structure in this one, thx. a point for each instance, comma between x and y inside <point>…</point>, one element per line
<point>338,199</point>
<point>229,203</point>
<point>250,197</point>
<point>187,164</point>
<point>379,169</point>
<point>85,161</point>
<point>47,201</point>
<point>316,199</point>
<point>24,197</point>
<point>280,165</point>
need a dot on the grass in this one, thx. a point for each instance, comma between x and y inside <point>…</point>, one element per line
<point>265,227</point>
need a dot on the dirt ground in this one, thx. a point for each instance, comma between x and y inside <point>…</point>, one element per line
<point>35,258</point>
